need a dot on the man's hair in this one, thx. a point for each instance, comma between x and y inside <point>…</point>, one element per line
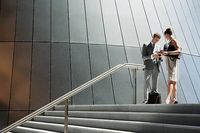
<point>168,31</point>
<point>156,35</point>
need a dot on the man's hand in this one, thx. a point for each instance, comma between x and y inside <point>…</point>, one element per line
<point>156,56</point>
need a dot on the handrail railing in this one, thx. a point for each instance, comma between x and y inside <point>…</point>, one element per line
<point>71,94</point>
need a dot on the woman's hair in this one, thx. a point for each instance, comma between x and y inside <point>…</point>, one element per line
<point>168,31</point>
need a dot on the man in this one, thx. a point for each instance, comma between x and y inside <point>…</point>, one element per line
<point>152,59</point>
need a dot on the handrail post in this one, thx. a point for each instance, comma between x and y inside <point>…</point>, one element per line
<point>134,75</point>
<point>66,123</point>
<point>135,86</point>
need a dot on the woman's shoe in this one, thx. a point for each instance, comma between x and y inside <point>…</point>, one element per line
<point>175,102</point>
<point>169,100</point>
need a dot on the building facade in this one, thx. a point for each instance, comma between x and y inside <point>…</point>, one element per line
<point>49,47</point>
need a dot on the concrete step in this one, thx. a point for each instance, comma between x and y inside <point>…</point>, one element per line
<point>156,108</point>
<point>131,126</point>
<point>125,118</point>
<point>21,129</point>
<point>181,119</point>
<point>134,126</point>
<point>80,129</point>
<point>37,126</point>
<point>44,126</point>
<point>49,119</point>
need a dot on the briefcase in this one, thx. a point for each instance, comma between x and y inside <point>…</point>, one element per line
<point>154,98</point>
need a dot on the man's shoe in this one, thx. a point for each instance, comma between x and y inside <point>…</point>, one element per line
<point>145,101</point>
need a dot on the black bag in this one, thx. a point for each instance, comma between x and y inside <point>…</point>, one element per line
<point>154,98</point>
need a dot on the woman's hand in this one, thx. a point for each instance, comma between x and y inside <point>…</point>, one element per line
<point>165,53</point>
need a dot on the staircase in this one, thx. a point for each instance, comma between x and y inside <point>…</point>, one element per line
<point>117,119</point>
<point>57,118</point>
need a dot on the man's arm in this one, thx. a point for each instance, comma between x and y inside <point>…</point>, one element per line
<point>144,53</point>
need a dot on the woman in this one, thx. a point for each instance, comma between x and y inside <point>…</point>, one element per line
<point>172,52</point>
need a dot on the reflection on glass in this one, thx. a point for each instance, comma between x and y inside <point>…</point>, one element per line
<point>127,23</point>
<point>94,21</point>
<point>112,29</point>
<point>186,83</point>
<point>185,27</point>
<point>176,25</point>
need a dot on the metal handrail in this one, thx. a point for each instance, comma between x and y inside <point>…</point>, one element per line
<point>71,94</point>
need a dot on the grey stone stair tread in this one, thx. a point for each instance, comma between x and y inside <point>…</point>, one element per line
<point>134,126</point>
<point>45,126</point>
<point>179,108</point>
<point>182,119</point>
<point>49,119</point>
<point>21,129</point>
<point>80,129</point>
<point>72,128</point>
